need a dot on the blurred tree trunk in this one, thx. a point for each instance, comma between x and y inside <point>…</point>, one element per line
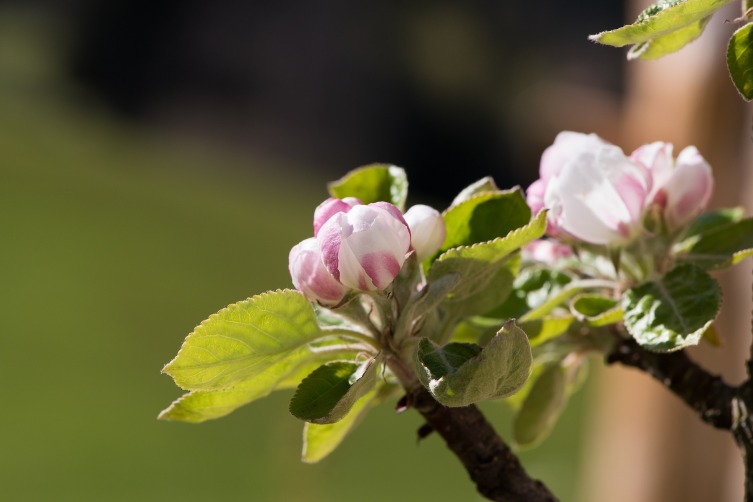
<point>645,445</point>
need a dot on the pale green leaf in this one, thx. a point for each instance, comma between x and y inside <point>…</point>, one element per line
<point>330,391</point>
<point>485,216</point>
<point>660,19</point>
<point>708,222</point>
<point>245,339</point>
<point>201,405</point>
<point>373,183</point>
<point>460,374</point>
<point>669,43</point>
<point>740,60</point>
<point>672,313</point>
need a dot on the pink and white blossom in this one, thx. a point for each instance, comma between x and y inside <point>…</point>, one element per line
<point>594,192</point>
<point>427,230</point>
<point>365,247</point>
<point>311,277</point>
<point>681,188</point>
<point>331,207</point>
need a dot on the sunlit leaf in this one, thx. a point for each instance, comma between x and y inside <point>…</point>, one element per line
<point>740,60</point>
<point>721,246</point>
<point>484,217</point>
<point>373,183</point>
<point>245,339</point>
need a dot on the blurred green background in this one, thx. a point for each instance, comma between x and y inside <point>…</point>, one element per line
<point>116,242</point>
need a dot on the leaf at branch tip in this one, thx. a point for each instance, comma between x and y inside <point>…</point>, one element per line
<point>330,391</point>
<point>373,183</point>
<point>245,339</point>
<point>672,313</point>
<point>460,374</point>
<point>740,60</point>
<point>664,27</point>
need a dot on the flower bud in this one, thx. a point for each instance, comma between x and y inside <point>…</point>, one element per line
<point>427,230</point>
<point>311,277</point>
<point>365,247</point>
<point>330,207</point>
<point>681,189</point>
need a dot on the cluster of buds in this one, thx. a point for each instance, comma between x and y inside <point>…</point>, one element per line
<point>361,247</point>
<point>597,194</point>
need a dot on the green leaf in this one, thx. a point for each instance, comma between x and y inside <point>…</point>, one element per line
<point>201,405</point>
<point>740,60</point>
<point>245,339</point>
<point>460,374</point>
<point>542,406</point>
<point>708,222</point>
<point>673,312</point>
<point>373,183</point>
<point>596,310</point>
<point>532,287</point>
<point>486,274</point>
<point>319,440</point>
<point>722,246</point>
<point>483,185</point>
<point>659,20</point>
<point>484,217</point>
<point>545,329</point>
<point>330,391</point>
<point>669,43</point>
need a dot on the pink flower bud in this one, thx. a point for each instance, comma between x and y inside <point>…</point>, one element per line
<point>365,247</point>
<point>427,230</point>
<point>593,191</point>
<point>682,188</point>
<point>311,277</point>
<point>330,207</point>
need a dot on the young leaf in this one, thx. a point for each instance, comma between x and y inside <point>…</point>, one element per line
<point>596,310</point>
<point>460,374</point>
<point>542,406</point>
<point>484,217</point>
<point>319,440</point>
<point>669,43</point>
<point>373,183</point>
<point>740,60</point>
<point>245,339</point>
<point>673,312</point>
<point>481,186</point>
<point>669,23</point>
<point>330,391</point>
<point>484,267</point>
<point>722,246</point>
<point>546,399</point>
